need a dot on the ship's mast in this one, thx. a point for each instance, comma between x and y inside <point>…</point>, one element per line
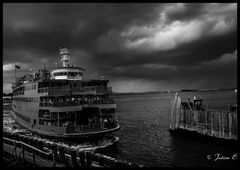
<point>65,56</point>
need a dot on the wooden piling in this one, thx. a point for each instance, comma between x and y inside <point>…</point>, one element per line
<point>62,157</point>
<point>230,125</point>
<point>73,154</point>
<point>88,156</point>
<point>215,123</point>
<point>54,153</point>
<point>81,155</point>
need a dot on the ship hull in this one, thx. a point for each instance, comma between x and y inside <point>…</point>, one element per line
<point>78,135</point>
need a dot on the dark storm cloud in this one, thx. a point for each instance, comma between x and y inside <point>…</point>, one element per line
<point>186,11</point>
<point>43,28</point>
<point>186,55</point>
<point>153,42</point>
<point>73,24</point>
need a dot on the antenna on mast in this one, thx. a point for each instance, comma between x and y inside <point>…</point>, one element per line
<point>65,56</point>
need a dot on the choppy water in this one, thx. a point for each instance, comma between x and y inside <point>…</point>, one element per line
<point>144,135</point>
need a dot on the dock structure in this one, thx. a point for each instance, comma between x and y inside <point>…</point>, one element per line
<point>43,153</point>
<point>192,116</point>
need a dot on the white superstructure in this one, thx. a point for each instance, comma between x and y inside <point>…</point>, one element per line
<point>61,103</point>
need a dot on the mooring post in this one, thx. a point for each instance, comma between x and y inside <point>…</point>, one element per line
<point>73,154</point>
<point>206,121</point>
<point>34,160</point>
<point>223,128</point>
<point>61,150</point>
<point>105,160</point>
<point>100,159</point>
<point>38,145</point>
<point>88,156</point>
<point>118,163</point>
<point>234,126</point>
<point>212,132</point>
<point>23,150</point>
<point>54,153</point>
<point>178,105</point>
<point>14,149</point>
<point>19,154</point>
<point>115,162</point>
<point>230,125</point>
<point>220,124</point>
<point>82,158</point>
<point>125,163</point>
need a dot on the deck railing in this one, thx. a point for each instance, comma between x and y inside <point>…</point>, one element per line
<point>76,103</point>
<point>53,89</point>
<point>68,89</point>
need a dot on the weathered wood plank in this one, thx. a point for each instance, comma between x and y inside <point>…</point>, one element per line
<point>217,123</point>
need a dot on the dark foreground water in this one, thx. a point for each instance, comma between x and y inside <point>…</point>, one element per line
<point>145,139</point>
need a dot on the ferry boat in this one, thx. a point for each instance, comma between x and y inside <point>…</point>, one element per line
<point>61,103</point>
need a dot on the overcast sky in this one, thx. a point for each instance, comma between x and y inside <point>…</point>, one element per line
<point>138,47</point>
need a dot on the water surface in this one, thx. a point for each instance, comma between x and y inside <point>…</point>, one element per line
<point>145,138</point>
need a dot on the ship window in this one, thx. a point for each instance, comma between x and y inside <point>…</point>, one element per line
<point>41,122</point>
<point>57,74</point>
<point>54,115</point>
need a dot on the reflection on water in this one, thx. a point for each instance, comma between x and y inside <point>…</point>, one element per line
<point>144,135</point>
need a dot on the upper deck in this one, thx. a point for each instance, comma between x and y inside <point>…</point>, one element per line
<point>65,80</point>
<point>70,87</point>
<point>63,87</point>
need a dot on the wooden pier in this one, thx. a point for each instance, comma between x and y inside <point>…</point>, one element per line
<point>192,116</point>
<point>52,154</point>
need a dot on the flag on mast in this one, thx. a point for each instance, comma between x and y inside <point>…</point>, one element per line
<point>17,66</point>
